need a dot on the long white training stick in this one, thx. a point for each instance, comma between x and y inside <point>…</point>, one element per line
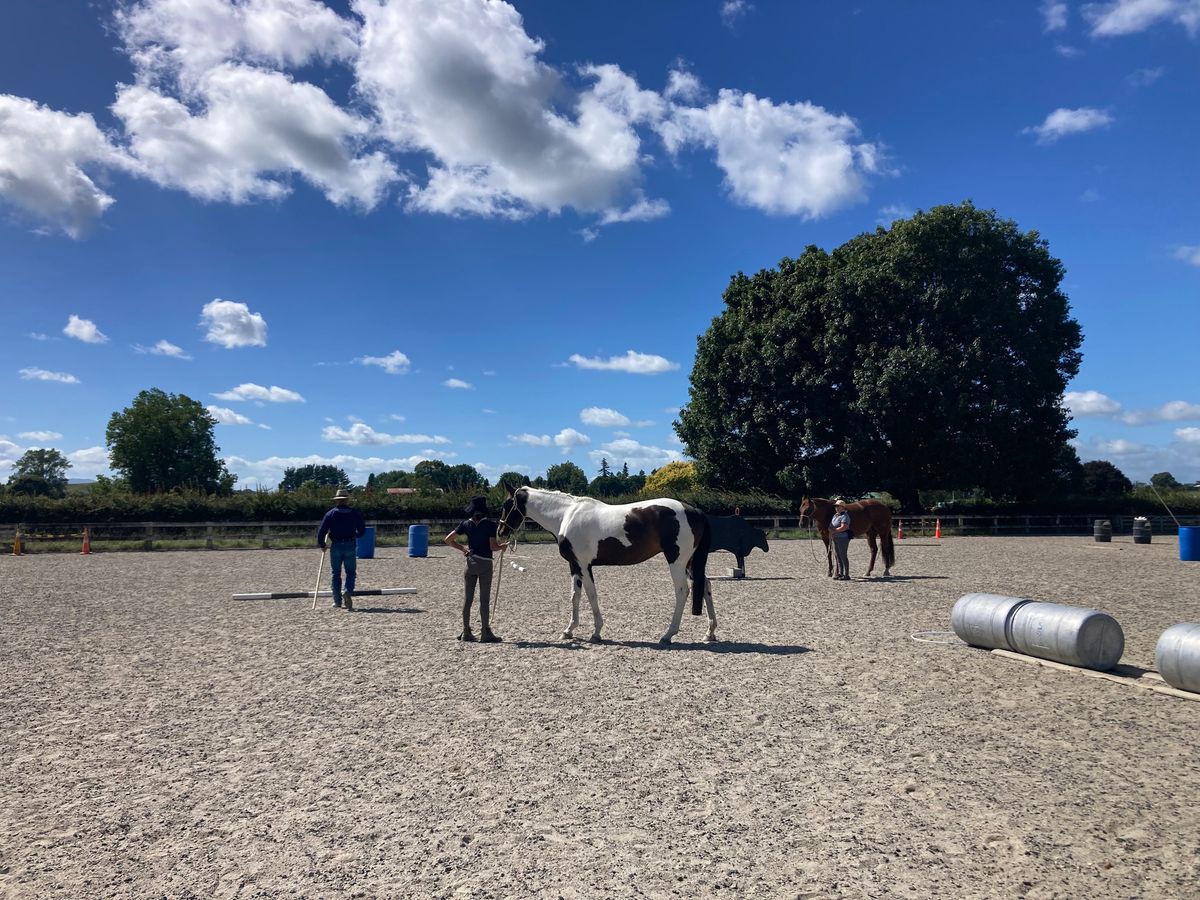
<point>317,586</point>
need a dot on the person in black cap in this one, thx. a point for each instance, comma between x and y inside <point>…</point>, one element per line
<point>344,525</point>
<point>481,543</point>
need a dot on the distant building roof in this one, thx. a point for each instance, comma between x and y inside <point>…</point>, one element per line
<point>401,490</point>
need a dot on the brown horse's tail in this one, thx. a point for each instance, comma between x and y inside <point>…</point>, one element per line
<point>699,562</point>
<point>887,547</point>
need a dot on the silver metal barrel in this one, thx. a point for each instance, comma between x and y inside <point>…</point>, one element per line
<point>1141,531</point>
<point>1177,657</point>
<point>982,619</point>
<point>1065,634</point>
<point>1102,532</point>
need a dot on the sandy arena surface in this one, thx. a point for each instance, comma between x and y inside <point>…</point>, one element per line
<point>159,740</point>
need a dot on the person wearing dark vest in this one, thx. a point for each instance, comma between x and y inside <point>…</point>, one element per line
<point>343,525</point>
<point>480,532</point>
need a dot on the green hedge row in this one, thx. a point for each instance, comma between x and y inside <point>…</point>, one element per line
<point>254,506</point>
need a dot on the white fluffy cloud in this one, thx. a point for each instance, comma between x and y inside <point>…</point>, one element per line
<point>1090,403</point>
<point>362,435</point>
<point>226,416</point>
<point>184,39</point>
<point>782,158</point>
<point>1063,122</point>
<point>84,330</point>
<point>254,129</point>
<point>251,391</point>
<point>636,454</point>
<point>33,373</point>
<point>1190,435</point>
<point>231,324</point>
<point>531,440</point>
<point>163,348</point>
<point>458,384</point>
<point>732,10</point>
<point>1190,255</point>
<point>1121,17</point>
<point>39,436</point>
<point>568,439</point>
<point>267,472</point>
<point>47,156</point>
<point>633,362</point>
<point>228,102</point>
<point>395,363</point>
<point>1054,15</point>
<point>89,462</point>
<point>602,417</point>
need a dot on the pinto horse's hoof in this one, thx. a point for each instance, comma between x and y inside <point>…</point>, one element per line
<point>665,640</point>
<point>595,639</point>
<point>567,636</point>
<point>710,639</point>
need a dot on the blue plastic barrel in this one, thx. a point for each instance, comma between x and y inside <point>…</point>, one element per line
<point>418,540</point>
<point>366,544</point>
<point>1189,543</point>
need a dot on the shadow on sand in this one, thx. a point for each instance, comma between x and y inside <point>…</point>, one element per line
<point>904,578</point>
<point>388,609</point>
<point>714,647</point>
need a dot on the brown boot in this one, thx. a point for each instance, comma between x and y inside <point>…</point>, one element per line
<point>348,601</point>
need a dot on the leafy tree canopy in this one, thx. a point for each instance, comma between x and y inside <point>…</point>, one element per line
<point>41,472</point>
<point>673,478</point>
<point>933,354</point>
<point>164,441</point>
<point>1165,481</point>
<point>567,477</point>
<point>1102,479</point>
<point>325,476</point>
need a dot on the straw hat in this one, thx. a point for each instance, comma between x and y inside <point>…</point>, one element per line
<point>342,494</point>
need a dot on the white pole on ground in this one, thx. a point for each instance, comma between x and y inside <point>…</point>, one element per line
<point>317,586</point>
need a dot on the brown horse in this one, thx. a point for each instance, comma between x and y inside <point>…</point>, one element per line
<point>869,517</point>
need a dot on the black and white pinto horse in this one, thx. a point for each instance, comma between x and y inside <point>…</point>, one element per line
<point>591,533</point>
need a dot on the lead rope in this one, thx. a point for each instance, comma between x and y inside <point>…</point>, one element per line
<point>512,541</point>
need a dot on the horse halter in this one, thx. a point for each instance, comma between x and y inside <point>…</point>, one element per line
<point>513,509</point>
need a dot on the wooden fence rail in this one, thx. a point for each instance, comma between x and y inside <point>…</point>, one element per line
<point>394,532</point>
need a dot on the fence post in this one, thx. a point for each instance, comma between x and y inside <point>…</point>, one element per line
<point>266,536</point>
<point>148,543</point>
<point>208,536</point>
<point>775,533</point>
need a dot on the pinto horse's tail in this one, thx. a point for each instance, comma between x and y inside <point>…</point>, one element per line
<point>699,562</point>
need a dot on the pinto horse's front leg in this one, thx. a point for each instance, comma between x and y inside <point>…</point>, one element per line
<point>712,613</point>
<point>576,589</point>
<point>679,576</point>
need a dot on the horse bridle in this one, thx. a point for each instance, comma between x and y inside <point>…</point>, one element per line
<point>504,518</point>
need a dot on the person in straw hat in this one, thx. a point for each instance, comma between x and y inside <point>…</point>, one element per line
<point>343,525</point>
<point>840,532</point>
<point>481,543</point>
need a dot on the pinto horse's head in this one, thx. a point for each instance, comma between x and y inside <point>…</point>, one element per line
<point>512,513</point>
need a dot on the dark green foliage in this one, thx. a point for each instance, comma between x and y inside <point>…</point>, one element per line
<point>930,355</point>
<point>163,441</point>
<point>435,474</point>
<point>567,477</point>
<point>1102,479</point>
<point>40,472</point>
<point>329,476</point>
<point>1165,481</point>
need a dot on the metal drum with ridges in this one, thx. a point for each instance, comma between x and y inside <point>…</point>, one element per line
<point>1141,531</point>
<point>1067,634</point>
<point>1102,531</point>
<point>982,619</point>
<point>1177,657</point>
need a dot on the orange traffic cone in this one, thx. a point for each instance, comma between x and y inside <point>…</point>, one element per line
<point>17,544</point>
<point>899,531</point>
<point>937,528</point>
<point>87,543</point>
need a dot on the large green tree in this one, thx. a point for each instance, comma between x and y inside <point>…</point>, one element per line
<point>325,475</point>
<point>40,471</point>
<point>164,441</point>
<point>567,477</point>
<point>1102,479</point>
<point>933,354</point>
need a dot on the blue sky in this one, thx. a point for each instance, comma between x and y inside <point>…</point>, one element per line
<point>369,232</point>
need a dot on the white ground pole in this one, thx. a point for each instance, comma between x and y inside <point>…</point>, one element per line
<point>304,595</point>
<point>317,586</point>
